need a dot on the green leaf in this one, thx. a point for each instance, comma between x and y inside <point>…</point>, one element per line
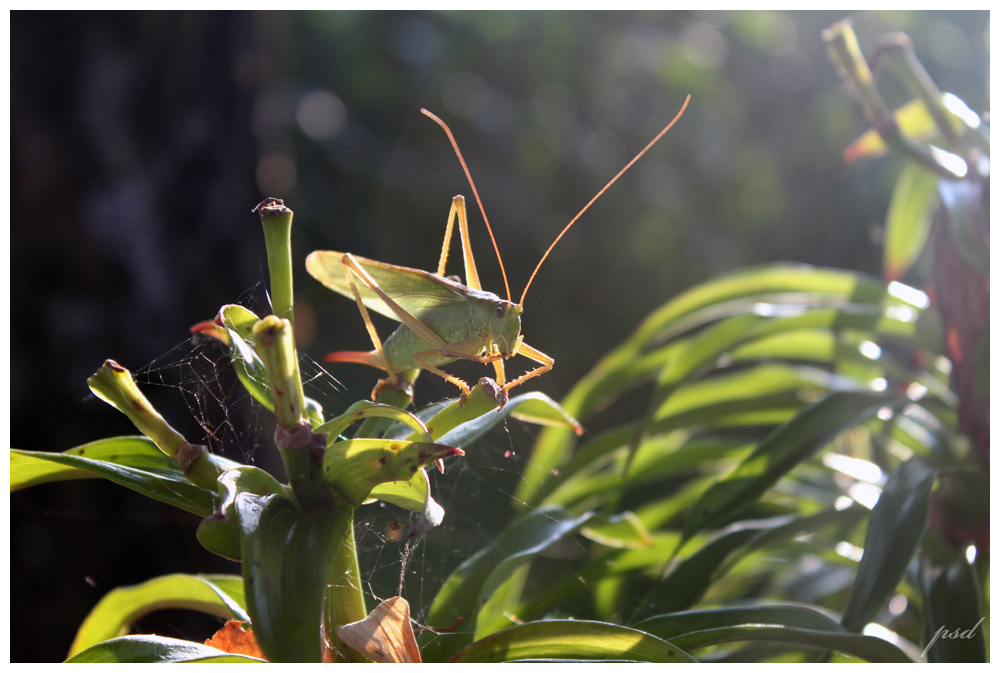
<point>155,650</point>
<point>127,461</point>
<point>689,580</point>
<point>576,640</point>
<point>894,530</point>
<point>220,532</point>
<point>365,409</point>
<point>908,221</point>
<point>287,560</point>
<point>813,427</point>
<point>616,370</point>
<point>114,614</point>
<point>952,603</point>
<point>457,427</point>
<point>472,584</point>
<point>868,648</point>
<point>622,531</point>
<point>355,466</point>
<point>411,494</point>
<point>671,626</point>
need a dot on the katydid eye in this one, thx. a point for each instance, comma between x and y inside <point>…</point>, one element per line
<point>499,310</point>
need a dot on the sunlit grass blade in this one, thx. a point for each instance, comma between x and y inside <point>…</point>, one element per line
<point>811,429</point>
<point>220,595</point>
<point>469,587</point>
<point>575,640</point>
<point>155,650</point>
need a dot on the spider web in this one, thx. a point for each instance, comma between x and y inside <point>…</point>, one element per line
<point>476,491</point>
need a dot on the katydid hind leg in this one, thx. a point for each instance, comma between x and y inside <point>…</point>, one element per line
<point>458,212</point>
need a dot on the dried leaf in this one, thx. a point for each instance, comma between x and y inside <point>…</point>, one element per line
<point>384,636</point>
<point>233,639</point>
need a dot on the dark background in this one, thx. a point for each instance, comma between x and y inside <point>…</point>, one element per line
<point>141,141</point>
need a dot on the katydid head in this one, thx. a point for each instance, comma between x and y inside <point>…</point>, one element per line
<point>518,306</point>
<point>505,326</point>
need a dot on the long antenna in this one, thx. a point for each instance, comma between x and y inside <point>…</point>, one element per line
<point>474,191</point>
<point>598,195</point>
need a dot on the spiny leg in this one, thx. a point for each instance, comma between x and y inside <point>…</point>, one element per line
<point>538,356</point>
<point>466,350</point>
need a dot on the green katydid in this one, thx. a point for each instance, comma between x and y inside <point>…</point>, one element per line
<point>442,319</point>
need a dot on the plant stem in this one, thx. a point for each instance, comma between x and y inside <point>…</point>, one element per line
<point>344,602</point>
<point>843,50</point>
<point>396,396</point>
<point>896,49</point>
<point>277,222</point>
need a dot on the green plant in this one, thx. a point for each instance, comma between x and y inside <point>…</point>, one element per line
<point>790,433</point>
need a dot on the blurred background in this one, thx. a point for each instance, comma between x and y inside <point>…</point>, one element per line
<point>140,142</point>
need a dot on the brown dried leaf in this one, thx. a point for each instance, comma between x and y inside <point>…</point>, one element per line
<point>233,639</point>
<point>385,635</point>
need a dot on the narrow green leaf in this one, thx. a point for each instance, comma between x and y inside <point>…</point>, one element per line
<point>813,427</point>
<point>689,580</point>
<point>536,408</point>
<point>553,445</point>
<point>470,586</point>
<point>155,650</point>
<point>622,531</point>
<point>908,221</point>
<point>802,616</point>
<point>894,530</point>
<point>365,409</point>
<point>114,614</point>
<point>287,561</point>
<point>867,648</point>
<point>160,480</point>
<point>954,632</point>
<point>571,640</point>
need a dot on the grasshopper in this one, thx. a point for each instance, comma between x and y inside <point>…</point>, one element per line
<point>442,319</point>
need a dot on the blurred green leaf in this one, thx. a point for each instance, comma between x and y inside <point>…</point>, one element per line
<point>739,292</point>
<point>787,623</point>
<point>622,531</point>
<point>690,578</point>
<point>577,640</point>
<point>908,221</point>
<point>813,427</point>
<point>867,648</point>
<point>952,601</point>
<point>894,530</point>
<point>114,614</point>
<point>155,650</point>
<point>127,461</point>
<point>470,586</point>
